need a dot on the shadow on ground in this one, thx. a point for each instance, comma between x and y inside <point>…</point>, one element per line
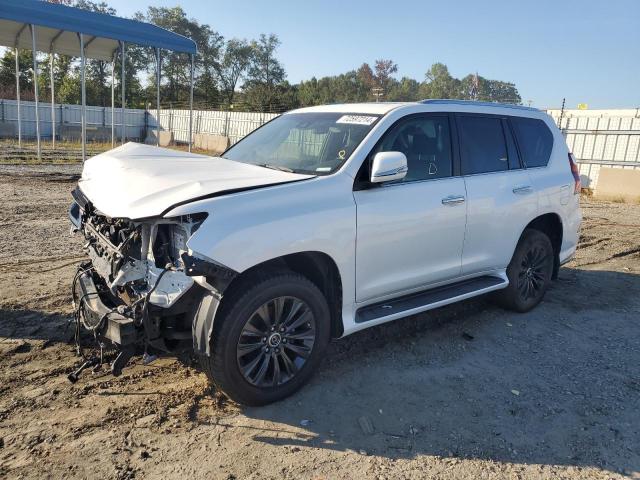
<point>559,385</point>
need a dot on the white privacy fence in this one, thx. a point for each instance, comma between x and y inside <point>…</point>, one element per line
<point>234,125</point>
<point>69,115</point>
<point>601,138</point>
<point>597,138</point>
<point>138,122</point>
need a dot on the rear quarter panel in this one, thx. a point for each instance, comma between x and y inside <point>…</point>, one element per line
<point>555,186</point>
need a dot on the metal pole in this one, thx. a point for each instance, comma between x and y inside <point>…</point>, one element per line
<point>122,99</point>
<point>84,98</point>
<point>53,101</point>
<point>113,99</point>
<point>158,97</point>
<point>191,104</point>
<point>18,98</point>
<point>35,85</point>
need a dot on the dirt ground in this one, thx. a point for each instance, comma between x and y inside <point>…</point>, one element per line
<point>467,391</point>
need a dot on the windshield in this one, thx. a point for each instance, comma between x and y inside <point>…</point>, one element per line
<point>312,143</point>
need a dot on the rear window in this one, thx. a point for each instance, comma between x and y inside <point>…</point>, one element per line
<point>482,145</point>
<point>534,139</point>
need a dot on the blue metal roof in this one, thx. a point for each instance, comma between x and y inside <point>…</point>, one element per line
<point>479,104</point>
<point>57,26</point>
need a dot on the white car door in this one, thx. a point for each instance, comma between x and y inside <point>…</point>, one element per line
<point>501,199</point>
<point>410,232</point>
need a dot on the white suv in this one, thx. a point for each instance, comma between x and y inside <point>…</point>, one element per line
<point>322,222</point>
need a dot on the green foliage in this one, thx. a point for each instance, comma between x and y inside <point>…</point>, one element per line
<point>264,85</point>
<point>8,73</point>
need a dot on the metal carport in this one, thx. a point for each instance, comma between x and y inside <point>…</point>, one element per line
<point>58,29</point>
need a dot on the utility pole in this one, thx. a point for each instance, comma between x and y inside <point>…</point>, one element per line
<point>561,115</point>
<point>377,92</point>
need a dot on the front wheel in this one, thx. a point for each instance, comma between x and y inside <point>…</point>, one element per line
<point>529,272</point>
<point>269,339</point>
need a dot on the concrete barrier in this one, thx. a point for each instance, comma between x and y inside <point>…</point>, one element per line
<point>8,130</point>
<point>618,184</point>
<point>73,133</point>
<point>210,142</point>
<point>166,138</point>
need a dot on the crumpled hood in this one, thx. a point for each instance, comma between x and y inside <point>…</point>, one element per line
<point>137,181</point>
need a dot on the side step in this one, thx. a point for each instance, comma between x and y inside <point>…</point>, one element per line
<point>429,299</point>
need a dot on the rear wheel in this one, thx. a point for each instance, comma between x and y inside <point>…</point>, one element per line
<point>268,341</point>
<point>529,272</point>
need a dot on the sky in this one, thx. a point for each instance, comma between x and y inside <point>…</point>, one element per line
<point>586,51</point>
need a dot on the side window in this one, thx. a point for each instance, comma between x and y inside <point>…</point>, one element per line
<point>426,142</point>
<point>534,139</point>
<point>482,144</point>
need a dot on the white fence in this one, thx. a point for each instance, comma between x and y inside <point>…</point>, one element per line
<point>234,125</point>
<point>601,138</point>
<point>597,138</point>
<point>68,115</point>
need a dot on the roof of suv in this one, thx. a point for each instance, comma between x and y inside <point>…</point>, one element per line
<point>382,108</point>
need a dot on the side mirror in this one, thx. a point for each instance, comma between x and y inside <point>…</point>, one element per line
<point>388,166</point>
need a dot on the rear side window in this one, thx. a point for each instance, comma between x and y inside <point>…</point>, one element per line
<point>534,139</point>
<point>482,145</point>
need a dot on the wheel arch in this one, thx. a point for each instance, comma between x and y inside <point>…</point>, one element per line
<point>317,266</point>
<point>551,225</point>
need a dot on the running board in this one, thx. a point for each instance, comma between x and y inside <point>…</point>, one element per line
<point>429,299</point>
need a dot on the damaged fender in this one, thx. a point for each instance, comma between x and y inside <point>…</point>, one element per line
<point>215,278</point>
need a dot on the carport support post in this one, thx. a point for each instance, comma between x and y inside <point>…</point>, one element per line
<point>83,114</point>
<point>122,98</point>
<point>32,27</point>
<point>18,97</point>
<point>113,99</point>
<point>53,102</point>
<point>191,103</point>
<point>158,61</point>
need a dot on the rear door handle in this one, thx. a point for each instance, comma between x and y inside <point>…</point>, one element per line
<point>452,200</point>
<point>524,190</point>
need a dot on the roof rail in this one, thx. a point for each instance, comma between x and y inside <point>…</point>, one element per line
<point>438,101</point>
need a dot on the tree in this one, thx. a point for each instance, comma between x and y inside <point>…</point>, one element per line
<point>8,73</point>
<point>232,68</point>
<point>439,83</point>
<point>175,65</point>
<point>264,75</point>
<point>343,88</point>
<point>366,76</point>
<point>383,71</point>
<point>405,90</point>
<point>475,87</point>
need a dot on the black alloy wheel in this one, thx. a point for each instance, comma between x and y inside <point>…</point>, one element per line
<point>276,341</point>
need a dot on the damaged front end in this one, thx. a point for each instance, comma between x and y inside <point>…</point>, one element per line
<point>141,286</point>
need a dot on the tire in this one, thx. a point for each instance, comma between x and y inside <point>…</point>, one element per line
<point>529,272</point>
<point>288,298</point>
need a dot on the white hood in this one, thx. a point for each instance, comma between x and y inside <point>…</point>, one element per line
<point>138,181</point>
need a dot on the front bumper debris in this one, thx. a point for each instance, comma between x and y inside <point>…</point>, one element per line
<point>115,327</point>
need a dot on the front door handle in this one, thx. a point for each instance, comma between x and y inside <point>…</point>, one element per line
<point>452,200</point>
<point>524,190</point>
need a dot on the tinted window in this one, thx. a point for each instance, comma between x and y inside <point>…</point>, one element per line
<point>426,142</point>
<point>482,145</point>
<point>534,139</point>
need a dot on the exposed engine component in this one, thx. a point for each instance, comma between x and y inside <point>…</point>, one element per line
<point>135,291</point>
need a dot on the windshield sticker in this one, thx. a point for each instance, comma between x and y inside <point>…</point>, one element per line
<point>323,169</point>
<point>357,119</point>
